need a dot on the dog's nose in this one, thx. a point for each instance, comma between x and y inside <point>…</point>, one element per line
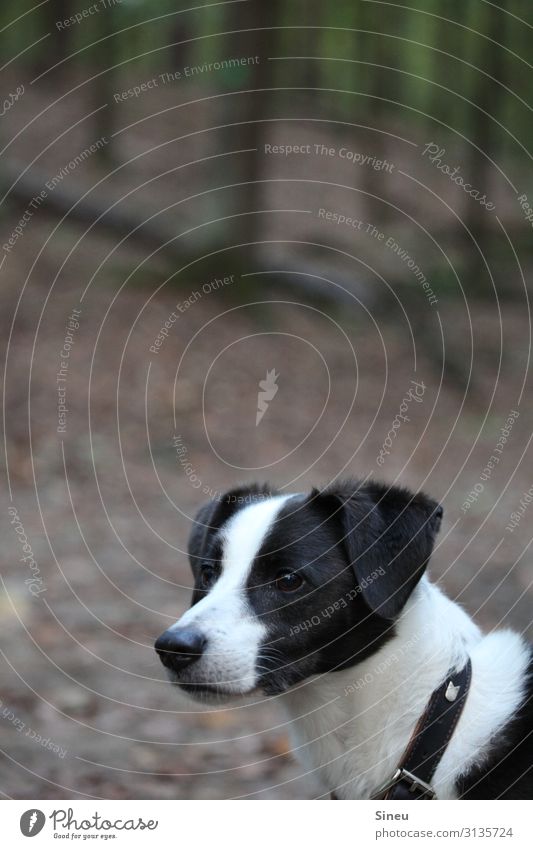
<point>179,647</point>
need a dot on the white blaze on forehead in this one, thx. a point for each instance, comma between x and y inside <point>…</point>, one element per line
<point>243,537</point>
<point>233,632</point>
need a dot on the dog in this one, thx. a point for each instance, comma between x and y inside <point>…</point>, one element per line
<point>321,599</point>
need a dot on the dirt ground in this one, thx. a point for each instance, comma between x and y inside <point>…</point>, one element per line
<point>105,503</point>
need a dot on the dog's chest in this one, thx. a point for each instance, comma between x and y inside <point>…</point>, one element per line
<point>339,747</point>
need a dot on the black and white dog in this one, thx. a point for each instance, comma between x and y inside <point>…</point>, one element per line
<point>322,598</point>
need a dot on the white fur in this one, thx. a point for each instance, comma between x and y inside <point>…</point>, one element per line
<point>233,633</point>
<point>353,726</point>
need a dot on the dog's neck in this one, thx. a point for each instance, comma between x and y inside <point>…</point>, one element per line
<point>353,726</point>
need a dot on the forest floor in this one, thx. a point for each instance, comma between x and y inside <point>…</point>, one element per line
<point>104,497</point>
<point>85,710</point>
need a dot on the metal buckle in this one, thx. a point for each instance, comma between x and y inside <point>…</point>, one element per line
<point>405,775</point>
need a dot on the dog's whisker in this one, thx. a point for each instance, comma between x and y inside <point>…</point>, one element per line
<point>332,609</point>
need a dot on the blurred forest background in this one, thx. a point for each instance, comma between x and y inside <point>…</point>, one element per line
<point>201,160</point>
<point>455,73</point>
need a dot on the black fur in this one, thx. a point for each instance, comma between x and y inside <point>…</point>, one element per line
<point>507,773</point>
<point>362,546</point>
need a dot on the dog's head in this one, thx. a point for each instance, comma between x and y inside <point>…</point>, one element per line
<point>290,586</point>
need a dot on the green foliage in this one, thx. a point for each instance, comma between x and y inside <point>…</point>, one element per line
<point>423,49</point>
<point>435,67</point>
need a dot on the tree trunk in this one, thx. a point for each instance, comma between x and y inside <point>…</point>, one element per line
<point>484,134</point>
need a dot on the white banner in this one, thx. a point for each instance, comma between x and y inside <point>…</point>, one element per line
<point>266,825</point>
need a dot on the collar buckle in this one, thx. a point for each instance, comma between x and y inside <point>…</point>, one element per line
<point>416,785</point>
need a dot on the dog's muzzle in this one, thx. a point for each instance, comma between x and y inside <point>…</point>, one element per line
<point>180,647</point>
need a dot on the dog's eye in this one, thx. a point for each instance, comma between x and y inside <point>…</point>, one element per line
<point>288,582</point>
<point>208,575</point>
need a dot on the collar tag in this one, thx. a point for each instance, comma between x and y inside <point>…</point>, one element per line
<point>452,692</point>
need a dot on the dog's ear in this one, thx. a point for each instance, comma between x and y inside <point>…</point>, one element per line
<point>212,515</point>
<point>388,534</point>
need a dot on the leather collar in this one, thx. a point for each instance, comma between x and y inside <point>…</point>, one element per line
<point>433,732</point>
